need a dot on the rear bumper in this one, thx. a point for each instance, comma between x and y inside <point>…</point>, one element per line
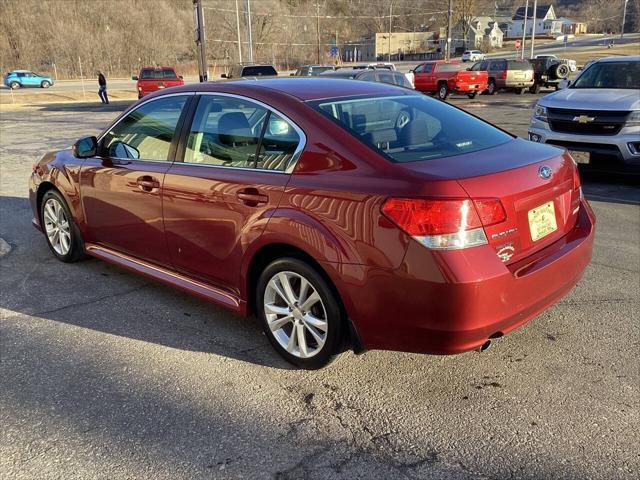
<point>452,302</point>
<point>469,88</point>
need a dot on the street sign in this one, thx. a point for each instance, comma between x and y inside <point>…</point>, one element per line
<point>334,51</point>
<point>566,39</point>
<point>518,44</point>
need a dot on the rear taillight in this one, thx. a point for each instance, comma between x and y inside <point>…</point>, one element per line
<point>503,75</point>
<point>445,224</point>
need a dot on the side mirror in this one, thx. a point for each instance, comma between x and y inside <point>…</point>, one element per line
<point>224,75</point>
<point>564,84</point>
<point>85,147</point>
<point>181,77</point>
<point>135,77</point>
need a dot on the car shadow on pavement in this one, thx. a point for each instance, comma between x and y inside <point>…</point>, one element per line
<point>100,296</point>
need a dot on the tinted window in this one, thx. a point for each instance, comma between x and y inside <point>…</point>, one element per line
<point>385,77</point>
<point>367,76</point>
<point>278,144</point>
<point>147,132</point>
<point>499,65</point>
<point>477,67</point>
<point>259,71</point>
<point>519,65</point>
<point>610,75</point>
<point>226,132</point>
<point>148,73</point>
<point>429,129</point>
<point>427,68</point>
<point>401,80</point>
<point>169,73</point>
<point>449,67</point>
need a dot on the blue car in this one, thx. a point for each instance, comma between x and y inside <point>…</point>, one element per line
<point>25,78</point>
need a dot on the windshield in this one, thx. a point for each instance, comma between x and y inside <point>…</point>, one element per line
<point>259,71</point>
<point>409,128</point>
<point>622,74</point>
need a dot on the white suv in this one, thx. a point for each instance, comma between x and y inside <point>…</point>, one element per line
<point>597,118</point>
<point>472,56</point>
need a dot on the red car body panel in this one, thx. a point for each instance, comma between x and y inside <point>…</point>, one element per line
<point>195,233</point>
<point>457,81</point>
<point>145,86</point>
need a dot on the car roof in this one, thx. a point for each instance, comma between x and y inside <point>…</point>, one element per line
<point>624,58</point>
<point>305,89</point>
<point>20,71</point>
<point>156,68</point>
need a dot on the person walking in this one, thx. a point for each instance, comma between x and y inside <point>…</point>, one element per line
<point>102,88</point>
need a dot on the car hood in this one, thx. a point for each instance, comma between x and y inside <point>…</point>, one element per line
<point>593,99</point>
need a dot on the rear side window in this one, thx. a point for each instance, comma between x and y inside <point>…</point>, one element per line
<point>519,65</point>
<point>368,77</point>
<point>401,80</point>
<point>385,77</point>
<point>227,132</point>
<point>449,67</point>
<point>411,128</point>
<point>499,65</point>
<point>259,71</point>
<point>147,132</point>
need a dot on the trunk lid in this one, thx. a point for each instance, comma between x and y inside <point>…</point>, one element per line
<point>471,77</point>
<point>512,173</point>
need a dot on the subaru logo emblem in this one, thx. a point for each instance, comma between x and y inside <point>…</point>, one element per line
<point>545,172</point>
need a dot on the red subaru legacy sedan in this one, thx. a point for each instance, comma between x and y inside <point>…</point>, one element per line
<point>340,213</point>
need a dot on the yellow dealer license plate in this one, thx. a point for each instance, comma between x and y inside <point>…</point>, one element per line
<point>542,221</point>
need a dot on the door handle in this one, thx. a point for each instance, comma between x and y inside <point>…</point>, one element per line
<point>252,197</point>
<point>146,183</point>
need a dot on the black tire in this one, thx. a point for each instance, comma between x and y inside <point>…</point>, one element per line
<point>560,71</point>
<point>472,95</point>
<point>491,88</point>
<point>535,88</point>
<point>76,249</point>
<point>443,91</point>
<point>45,84</point>
<point>334,317</point>
<point>14,85</point>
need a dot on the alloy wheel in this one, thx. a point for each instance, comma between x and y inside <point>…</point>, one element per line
<point>295,314</point>
<point>56,225</point>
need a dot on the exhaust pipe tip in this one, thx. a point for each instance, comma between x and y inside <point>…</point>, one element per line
<point>484,346</point>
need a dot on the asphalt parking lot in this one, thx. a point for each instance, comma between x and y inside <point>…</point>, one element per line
<point>106,375</point>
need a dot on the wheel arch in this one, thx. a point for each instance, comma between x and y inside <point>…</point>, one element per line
<point>272,251</point>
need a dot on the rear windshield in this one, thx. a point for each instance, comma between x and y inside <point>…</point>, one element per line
<point>410,128</point>
<point>152,73</point>
<point>259,71</point>
<point>624,75</point>
<point>319,70</point>
<point>519,65</point>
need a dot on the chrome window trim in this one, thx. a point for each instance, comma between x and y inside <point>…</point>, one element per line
<point>294,157</point>
<point>129,112</point>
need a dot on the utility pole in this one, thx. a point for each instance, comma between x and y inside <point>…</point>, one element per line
<point>318,32</point>
<point>447,49</point>
<point>533,30</point>
<point>199,38</point>
<point>238,32</point>
<point>524,30</point>
<point>248,9</point>
<point>390,28</point>
<point>624,17</point>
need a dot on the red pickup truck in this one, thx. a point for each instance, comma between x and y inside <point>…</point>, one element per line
<point>156,78</point>
<point>444,78</point>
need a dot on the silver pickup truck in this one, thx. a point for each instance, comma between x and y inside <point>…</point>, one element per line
<point>596,116</point>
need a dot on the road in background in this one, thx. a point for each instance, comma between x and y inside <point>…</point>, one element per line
<point>106,375</point>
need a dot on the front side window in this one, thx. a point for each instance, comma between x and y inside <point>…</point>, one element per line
<point>429,129</point>
<point>227,132</point>
<point>147,132</point>
<point>625,75</point>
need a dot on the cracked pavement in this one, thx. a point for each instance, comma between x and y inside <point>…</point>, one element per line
<point>106,375</point>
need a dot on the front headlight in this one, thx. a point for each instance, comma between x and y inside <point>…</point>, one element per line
<point>633,120</point>
<point>540,113</point>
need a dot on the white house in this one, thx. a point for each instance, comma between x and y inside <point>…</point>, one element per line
<point>547,24</point>
<point>482,31</point>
